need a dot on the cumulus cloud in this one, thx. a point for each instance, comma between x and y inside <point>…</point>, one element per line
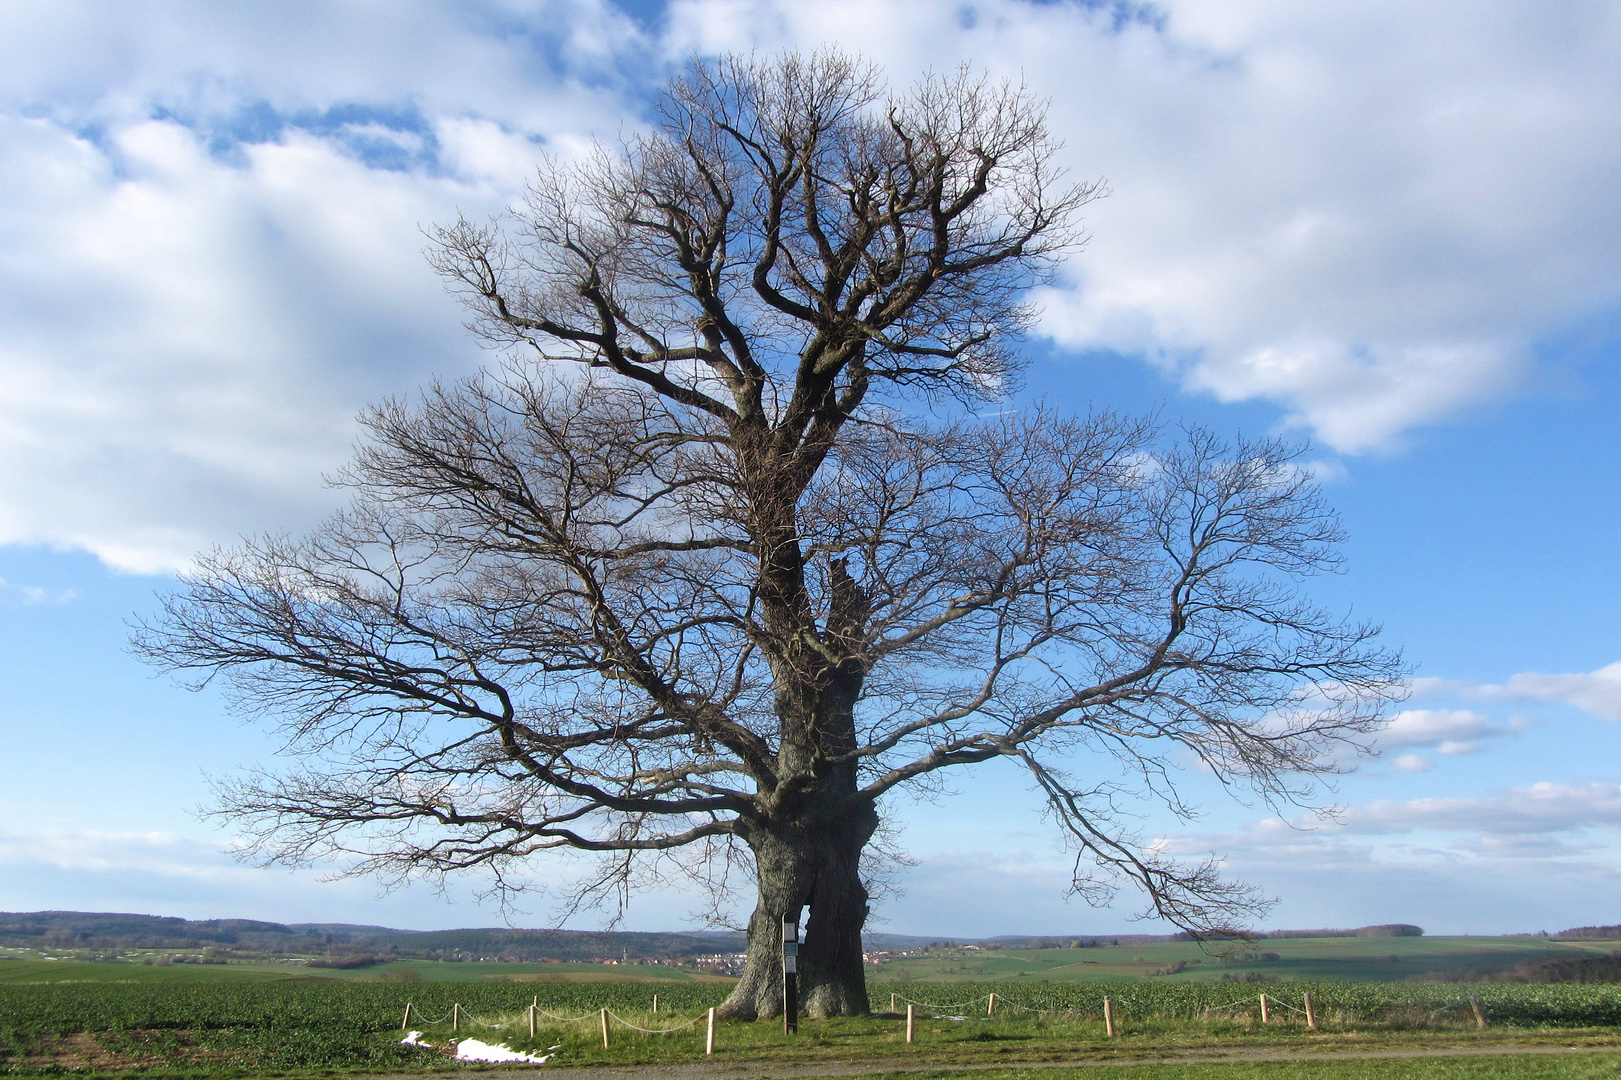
<point>210,256</point>
<point>1544,807</point>
<point>1446,863</point>
<point>1597,693</point>
<point>185,341</point>
<point>1364,212</point>
<point>1450,732</point>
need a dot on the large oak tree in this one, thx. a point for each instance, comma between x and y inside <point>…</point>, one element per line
<point>720,556</point>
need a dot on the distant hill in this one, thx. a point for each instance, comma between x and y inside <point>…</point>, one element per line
<point>1573,969</point>
<point>1591,933</point>
<point>119,930</point>
<point>500,943</point>
<point>104,930</point>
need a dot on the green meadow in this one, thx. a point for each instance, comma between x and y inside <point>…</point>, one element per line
<point>1354,959</point>
<point>26,971</point>
<point>1350,959</point>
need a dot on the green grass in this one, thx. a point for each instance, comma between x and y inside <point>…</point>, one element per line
<point>23,972</point>
<point>881,1039</point>
<point>297,1028</point>
<point>1296,959</point>
<point>69,971</point>
<point>1350,959</point>
<point>453,971</point>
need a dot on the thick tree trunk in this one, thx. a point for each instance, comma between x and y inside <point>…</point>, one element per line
<point>816,865</point>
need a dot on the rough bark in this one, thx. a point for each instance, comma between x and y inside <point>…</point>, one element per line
<point>808,867</point>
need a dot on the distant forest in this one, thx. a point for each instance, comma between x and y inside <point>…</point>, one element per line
<point>1591,933</point>
<point>97,930</point>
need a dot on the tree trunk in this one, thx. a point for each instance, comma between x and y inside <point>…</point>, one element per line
<point>811,864</point>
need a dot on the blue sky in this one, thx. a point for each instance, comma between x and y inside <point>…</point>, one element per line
<point>1391,228</point>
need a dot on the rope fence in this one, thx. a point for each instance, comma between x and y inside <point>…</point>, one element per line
<point>1269,1004</point>
<point>533,1012</point>
<point>991,1003</point>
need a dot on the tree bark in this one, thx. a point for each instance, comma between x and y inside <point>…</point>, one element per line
<point>813,862</point>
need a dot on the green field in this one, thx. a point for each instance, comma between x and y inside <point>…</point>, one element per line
<point>17,971</point>
<point>1353,959</point>
<point>1356,959</point>
<point>300,1028</point>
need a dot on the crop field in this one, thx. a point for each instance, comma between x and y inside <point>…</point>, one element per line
<point>233,1028</point>
<point>1369,959</point>
<point>1355,959</point>
<point>69,971</point>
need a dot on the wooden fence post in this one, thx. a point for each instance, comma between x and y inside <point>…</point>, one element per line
<point>655,1003</point>
<point>1108,1017</point>
<point>1311,1017</point>
<point>605,1029</point>
<point>990,1009</point>
<point>405,1021</point>
<point>909,1021</point>
<point>892,1006</point>
<point>1480,1017</point>
<point>709,1034</point>
<point>455,1017</point>
<point>1266,1017</point>
<point>532,1019</point>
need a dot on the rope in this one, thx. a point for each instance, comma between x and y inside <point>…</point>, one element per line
<point>470,1018</point>
<point>655,1031</point>
<point>1460,1003</point>
<point>1233,1005</point>
<point>567,1019</point>
<point>1002,1004</point>
<point>958,1005</point>
<point>418,1018</point>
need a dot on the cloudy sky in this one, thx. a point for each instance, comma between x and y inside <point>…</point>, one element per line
<point>1391,228</point>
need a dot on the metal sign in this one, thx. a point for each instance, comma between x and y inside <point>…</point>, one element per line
<point>790,977</point>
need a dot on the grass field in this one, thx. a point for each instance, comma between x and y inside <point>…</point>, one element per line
<point>1289,959</point>
<point>1352,959</point>
<point>299,1028</point>
<point>22,972</point>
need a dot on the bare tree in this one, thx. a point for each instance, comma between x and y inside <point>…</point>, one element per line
<point>686,579</point>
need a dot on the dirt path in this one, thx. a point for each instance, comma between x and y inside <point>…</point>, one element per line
<point>781,1071</point>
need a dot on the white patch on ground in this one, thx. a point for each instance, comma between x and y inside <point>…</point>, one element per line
<point>474,1050</point>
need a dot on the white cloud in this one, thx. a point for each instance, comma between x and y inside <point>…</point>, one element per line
<point>210,253</point>
<point>29,595</point>
<point>208,215</point>
<point>1452,865</point>
<point>184,341</point>
<point>1540,808</point>
<point>1595,692</point>
<point>1365,212</point>
<point>1450,732</point>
